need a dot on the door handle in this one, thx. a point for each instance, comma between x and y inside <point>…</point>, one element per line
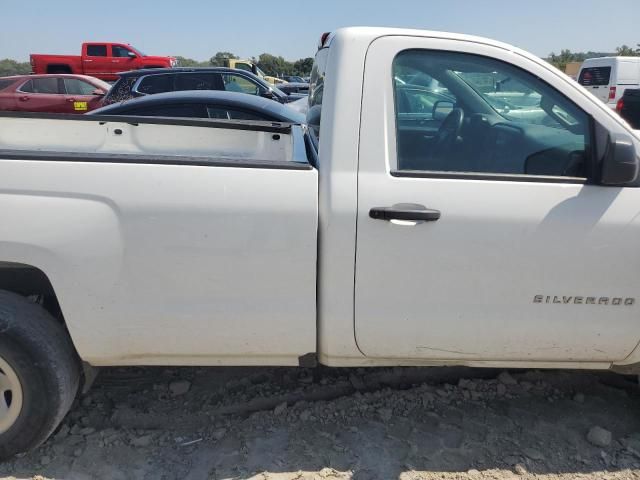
<point>71,99</point>
<point>411,212</point>
<point>88,60</point>
<point>23,99</point>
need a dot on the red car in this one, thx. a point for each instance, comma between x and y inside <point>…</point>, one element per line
<point>52,93</point>
<point>99,59</point>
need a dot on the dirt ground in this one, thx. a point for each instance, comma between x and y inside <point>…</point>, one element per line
<point>285,423</point>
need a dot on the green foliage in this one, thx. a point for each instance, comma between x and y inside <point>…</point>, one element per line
<point>190,62</point>
<point>11,67</point>
<point>303,67</point>
<point>567,56</point>
<point>626,51</point>
<point>278,66</point>
<point>218,60</point>
<point>274,66</point>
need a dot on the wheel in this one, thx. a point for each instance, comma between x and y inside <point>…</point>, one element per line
<point>39,374</point>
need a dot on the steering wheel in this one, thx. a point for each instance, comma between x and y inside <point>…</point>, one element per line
<point>447,135</point>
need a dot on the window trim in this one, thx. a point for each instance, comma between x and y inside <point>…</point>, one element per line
<point>505,177</point>
<point>590,150</point>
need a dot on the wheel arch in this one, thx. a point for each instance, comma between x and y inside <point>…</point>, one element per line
<point>59,68</point>
<point>31,282</point>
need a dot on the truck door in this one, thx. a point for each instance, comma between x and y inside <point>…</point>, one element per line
<point>95,59</point>
<point>122,59</point>
<point>79,96</point>
<point>486,240</point>
<point>45,94</point>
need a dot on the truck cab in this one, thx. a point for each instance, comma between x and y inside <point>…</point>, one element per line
<point>452,201</point>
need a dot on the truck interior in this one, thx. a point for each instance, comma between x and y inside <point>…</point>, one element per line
<point>466,113</point>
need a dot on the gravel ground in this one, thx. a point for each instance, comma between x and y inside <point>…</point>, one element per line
<point>285,423</point>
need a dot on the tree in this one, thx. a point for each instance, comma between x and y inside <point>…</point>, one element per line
<point>303,67</point>
<point>190,62</point>
<point>11,67</point>
<point>565,56</point>
<point>218,60</point>
<point>275,66</point>
<point>626,51</point>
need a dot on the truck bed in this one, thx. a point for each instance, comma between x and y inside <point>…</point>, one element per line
<point>199,235</point>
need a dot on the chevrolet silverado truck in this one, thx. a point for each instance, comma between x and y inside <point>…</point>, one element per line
<point>100,60</point>
<point>452,201</point>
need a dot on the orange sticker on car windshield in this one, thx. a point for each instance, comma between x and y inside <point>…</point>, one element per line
<point>80,106</point>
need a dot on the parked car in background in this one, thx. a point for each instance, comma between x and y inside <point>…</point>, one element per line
<point>151,81</point>
<point>205,104</point>
<point>293,79</point>
<point>52,93</point>
<point>291,88</point>
<point>608,77</point>
<point>249,66</point>
<point>629,107</point>
<point>100,59</point>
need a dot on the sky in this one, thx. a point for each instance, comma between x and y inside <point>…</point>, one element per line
<point>291,28</point>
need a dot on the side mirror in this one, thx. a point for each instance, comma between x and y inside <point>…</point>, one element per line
<point>130,54</point>
<point>267,94</point>
<point>442,109</point>
<point>98,92</point>
<point>620,165</point>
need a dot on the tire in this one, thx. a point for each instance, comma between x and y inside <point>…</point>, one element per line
<point>40,369</point>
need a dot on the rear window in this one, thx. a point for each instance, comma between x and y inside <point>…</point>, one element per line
<point>5,83</point>
<point>595,76</point>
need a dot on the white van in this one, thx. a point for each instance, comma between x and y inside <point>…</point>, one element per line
<point>608,77</point>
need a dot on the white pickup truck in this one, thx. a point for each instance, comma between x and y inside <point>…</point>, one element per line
<point>454,201</point>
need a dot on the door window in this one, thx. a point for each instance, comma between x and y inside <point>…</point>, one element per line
<point>42,85</point>
<point>73,86</point>
<point>96,50</point>
<point>118,51</point>
<point>5,83</point>
<point>458,112</point>
<point>236,83</point>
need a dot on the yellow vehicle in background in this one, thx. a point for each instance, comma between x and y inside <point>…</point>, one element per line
<point>249,66</point>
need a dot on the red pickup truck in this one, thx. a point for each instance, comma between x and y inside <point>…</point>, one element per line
<point>99,59</point>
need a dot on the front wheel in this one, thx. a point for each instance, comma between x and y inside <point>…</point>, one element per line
<point>39,374</point>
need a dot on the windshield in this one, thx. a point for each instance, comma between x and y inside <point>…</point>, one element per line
<point>259,72</point>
